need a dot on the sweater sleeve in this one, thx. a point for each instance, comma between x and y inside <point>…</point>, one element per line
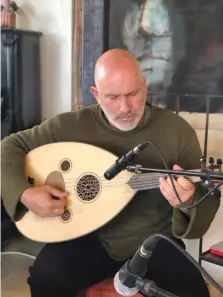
<point>198,222</point>
<point>13,151</point>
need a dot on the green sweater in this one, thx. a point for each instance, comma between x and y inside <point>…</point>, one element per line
<point>148,212</point>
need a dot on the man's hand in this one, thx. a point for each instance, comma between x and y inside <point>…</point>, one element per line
<point>184,187</point>
<point>39,200</point>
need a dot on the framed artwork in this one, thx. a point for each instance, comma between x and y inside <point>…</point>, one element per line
<point>178,43</point>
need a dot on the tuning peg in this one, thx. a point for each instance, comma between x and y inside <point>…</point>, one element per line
<point>203,163</point>
<point>211,161</point>
<point>219,164</point>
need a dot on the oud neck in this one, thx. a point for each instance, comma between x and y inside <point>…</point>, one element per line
<point>147,181</point>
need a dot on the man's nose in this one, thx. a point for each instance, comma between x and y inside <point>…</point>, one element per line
<point>124,105</point>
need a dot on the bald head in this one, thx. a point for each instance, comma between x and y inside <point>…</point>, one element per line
<point>115,62</point>
<point>120,88</point>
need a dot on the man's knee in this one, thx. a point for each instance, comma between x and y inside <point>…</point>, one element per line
<point>44,274</point>
<point>51,279</point>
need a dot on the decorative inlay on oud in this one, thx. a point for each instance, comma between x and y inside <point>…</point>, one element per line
<point>65,165</point>
<point>88,187</point>
<point>66,216</point>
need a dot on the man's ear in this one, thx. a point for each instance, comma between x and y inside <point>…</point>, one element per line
<point>144,80</point>
<point>94,92</point>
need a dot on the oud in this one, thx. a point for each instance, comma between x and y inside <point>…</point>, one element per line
<point>92,200</point>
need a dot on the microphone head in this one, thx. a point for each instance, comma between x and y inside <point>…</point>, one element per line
<point>122,289</point>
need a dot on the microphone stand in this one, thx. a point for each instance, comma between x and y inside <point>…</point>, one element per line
<point>150,289</point>
<point>203,175</point>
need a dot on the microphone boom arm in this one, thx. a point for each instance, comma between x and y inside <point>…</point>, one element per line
<point>203,175</point>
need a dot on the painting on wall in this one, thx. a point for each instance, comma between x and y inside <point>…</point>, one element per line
<point>179,45</point>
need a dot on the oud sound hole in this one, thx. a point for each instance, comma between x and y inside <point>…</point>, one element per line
<point>66,216</point>
<point>88,188</point>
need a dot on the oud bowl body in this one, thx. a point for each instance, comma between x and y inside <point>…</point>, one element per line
<point>92,200</point>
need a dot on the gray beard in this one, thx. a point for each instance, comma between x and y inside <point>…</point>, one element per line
<point>131,127</point>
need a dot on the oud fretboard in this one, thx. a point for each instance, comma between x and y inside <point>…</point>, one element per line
<point>146,181</point>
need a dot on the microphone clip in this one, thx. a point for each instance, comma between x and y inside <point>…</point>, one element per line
<point>124,161</point>
<point>120,164</point>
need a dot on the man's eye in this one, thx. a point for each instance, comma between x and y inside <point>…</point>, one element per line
<point>133,94</point>
<point>112,97</point>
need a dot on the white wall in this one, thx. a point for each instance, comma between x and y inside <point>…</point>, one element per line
<point>54,19</point>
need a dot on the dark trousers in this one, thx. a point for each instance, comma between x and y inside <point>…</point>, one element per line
<point>64,269</point>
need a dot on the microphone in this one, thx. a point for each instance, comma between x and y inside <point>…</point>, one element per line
<point>122,162</point>
<point>125,281</point>
<point>130,278</point>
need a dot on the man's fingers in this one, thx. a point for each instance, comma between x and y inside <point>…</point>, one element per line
<point>58,204</point>
<point>166,183</point>
<point>56,212</point>
<point>176,183</point>
<point>183,187</point>
<point>165,186</point>
<point>55,192</point>
<point>185,183</point>
<point>162,181</point>
<point>165,194</point>
<point>177,167</point>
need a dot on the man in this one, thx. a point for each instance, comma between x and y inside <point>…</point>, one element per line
<point>119,121</point>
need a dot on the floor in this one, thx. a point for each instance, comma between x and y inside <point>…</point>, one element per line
<point>15,268</point>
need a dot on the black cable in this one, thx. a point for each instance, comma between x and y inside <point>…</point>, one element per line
<point>174,188</point>
<point>163,293</point>
<point>191,259</point>
<point>149,288</point>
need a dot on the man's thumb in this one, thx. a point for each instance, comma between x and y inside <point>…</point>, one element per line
<point>56,192</point>
<point>177,167</point>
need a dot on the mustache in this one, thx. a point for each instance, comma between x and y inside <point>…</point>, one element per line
<point>126,115</point>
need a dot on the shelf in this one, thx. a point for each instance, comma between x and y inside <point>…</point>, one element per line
<point>209,257</point>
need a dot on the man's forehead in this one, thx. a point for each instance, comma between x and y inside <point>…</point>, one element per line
<point>121,91</point>
<point>115,90</point>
